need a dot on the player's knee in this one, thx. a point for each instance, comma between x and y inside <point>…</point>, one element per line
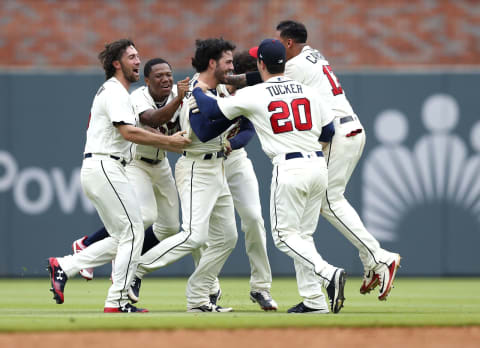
<point>332,204</point>
<point>163,232</point>
<point>333,197</point>
<point>198,240</point>
<point>149,216</point>
<point>231,240</point>
<point>252,220</point>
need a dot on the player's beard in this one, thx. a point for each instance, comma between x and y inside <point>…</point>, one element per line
<point>220,75</point>
<point>130,76</point>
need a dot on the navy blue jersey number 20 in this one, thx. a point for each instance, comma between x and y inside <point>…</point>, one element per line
<point>281,121</point>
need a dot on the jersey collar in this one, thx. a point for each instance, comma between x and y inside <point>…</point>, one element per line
<point>275,79</point>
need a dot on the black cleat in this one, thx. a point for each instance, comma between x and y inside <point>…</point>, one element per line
<point>335,290</point>
<point>301,308</point>
<point>210,308</point>
<point>214,298</point>
<point>134,290</point>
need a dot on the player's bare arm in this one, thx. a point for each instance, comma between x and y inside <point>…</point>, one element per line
<point>238,81</point>
<point>143,137</point>
<point>155,118</point>
<point>249,78</point>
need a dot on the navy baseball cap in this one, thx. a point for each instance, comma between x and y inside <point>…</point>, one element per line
<point>270,51</point>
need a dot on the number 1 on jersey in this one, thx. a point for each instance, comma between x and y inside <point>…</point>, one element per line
<point>336,88</point>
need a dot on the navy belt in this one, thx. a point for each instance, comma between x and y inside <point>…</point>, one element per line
<point>291,155</point>
<point>122,161</point>
<point>346,119</point>
<point>150,161</point>
<point>209,156</point>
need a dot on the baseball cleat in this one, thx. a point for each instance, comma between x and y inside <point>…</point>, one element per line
<point>370,282</point>
<point>386,276</point>
<point>58,279</point>
<point>134,290</point>
<point>214,298</point>
<point>128,308</point>
<point>264,299</point>
<point>78,246</point>
<point>210,308</point>
<point>335,290</point>
<point>302,309</point>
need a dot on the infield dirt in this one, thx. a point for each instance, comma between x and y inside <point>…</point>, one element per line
<point>429,337</point>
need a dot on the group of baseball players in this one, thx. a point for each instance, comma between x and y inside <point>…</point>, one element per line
<point>283,90</point>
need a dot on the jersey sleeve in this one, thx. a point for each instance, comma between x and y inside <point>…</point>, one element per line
<point>294,72</point>
<point>235,105</point>
<point>327,113</point>
<point>139,101</point>
<point>119,107</point>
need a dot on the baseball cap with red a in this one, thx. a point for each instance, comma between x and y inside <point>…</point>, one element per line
<point>270,51</point>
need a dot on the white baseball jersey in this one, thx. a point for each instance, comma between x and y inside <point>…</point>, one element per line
<point>312,69</point>
<point>196,146</point>
<point>142,101</point>
<point>288,116</point>
<point>111,105</point>
<point>343,154</point>
<point>105,183</point>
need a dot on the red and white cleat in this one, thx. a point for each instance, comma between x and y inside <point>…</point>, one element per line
<point>386,275</point>
<point>370,282</point>
<point>128,308</point>
<point>78,246</point>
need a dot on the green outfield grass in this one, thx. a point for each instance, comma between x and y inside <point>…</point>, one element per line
<point>27,305</point>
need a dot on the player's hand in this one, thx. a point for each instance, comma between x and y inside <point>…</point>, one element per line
<point>183,87</point>
<point>227,148</point>
<point>178,141</point>
<point>192,105</point>
<point>153,130</point>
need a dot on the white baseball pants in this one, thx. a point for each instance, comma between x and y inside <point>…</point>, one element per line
<point>156,191</point>
<point>208,218</point>
<point>296,192</point>
<point>105,183</point>
<point>243,185</point>
<point>342,156</point>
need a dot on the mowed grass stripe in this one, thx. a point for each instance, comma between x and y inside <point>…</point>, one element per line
<point>27,305</point>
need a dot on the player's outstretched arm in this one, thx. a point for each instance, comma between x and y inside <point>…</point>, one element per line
<point>238,80</point>
<point>206,105</point>
<point>155,118</point>
<point>247,79</point>
<point>137,135</point>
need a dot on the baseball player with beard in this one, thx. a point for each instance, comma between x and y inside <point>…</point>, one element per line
<point>157,106</point>
<point>289,120</point>
<point>110,132</point>
<point>309,66</point>
<point>206,203</point>
<point>243,186</point>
